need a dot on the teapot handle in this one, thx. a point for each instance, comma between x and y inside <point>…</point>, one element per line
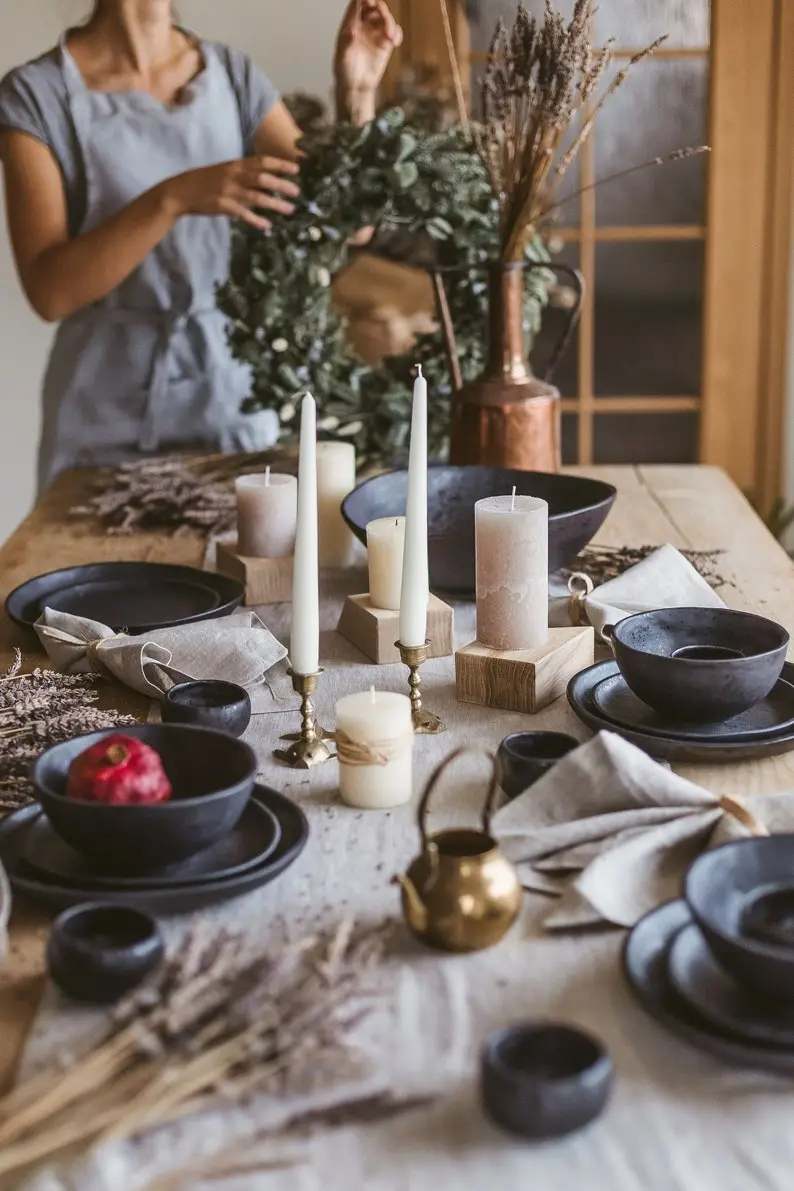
<point>490,798</point>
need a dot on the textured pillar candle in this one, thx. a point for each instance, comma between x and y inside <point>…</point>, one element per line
<point>385,545</point>
<point>336,477</point>
<point>512,552</point>
<point>267,511</point>
<point>375,737</point>
<point>304,650</point>
<point>415,587</point>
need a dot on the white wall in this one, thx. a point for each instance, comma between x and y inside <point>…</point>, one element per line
<point>293,41</point>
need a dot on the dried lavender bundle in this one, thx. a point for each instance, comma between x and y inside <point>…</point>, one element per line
<point>541,85</point>
<point>601,563</point>
<point>38,710</point>
<point>218,1022</point>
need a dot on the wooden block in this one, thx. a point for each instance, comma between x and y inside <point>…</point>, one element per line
<point>374,630</point>
<point>266,580</point>
<point>523,679</point>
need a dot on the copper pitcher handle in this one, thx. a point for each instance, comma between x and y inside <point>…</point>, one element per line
<point>490,798</point>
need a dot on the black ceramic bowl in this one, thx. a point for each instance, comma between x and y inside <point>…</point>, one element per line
<point>543,1080</point>
<point>212,776</point>
<point>726,889</point>
<point>577,509</point>
<point>523,757</point>
<point>211,704</point>
<point>98,952</point>
<point>700,665</point>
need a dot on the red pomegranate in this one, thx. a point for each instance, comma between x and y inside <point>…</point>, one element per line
<point>118,771</point>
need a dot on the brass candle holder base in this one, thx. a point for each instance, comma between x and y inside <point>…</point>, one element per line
<point>426,723</point>
<point>309,748</point>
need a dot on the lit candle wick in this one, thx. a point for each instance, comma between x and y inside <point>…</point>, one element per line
<point>513,500</point>
<point>267,477</point>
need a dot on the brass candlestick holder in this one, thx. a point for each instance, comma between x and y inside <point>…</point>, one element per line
<point>309,748</point>
<point>426,723</point>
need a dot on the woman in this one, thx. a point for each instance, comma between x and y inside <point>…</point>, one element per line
<point>127,151</point>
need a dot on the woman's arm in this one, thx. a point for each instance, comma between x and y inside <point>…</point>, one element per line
<point>61,275</point>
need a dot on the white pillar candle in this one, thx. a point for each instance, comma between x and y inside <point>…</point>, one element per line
<point>267,511</point>
<point>304,653</point>
<point>336,477</point>
<point>415,587</point>
<point>375,738</point>
<point>385,547</point>
<point>512,553</point>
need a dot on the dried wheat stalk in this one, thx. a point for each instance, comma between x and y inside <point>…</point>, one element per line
<point>218,1022</point>
<point>38,710</point>
<point>601,563</point>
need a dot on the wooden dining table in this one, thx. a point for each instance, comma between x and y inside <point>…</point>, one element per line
<point>692,507</point>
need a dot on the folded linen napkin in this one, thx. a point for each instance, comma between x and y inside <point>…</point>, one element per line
<point>611,833</point>
<point>237,648</point>
<point>665,579</point>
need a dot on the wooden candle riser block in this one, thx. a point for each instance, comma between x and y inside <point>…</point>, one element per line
<point>523,679</point>
<point>375,630</point>
<point>266,580</point>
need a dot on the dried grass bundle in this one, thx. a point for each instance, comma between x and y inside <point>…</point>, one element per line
<point>541,83</point>
<point>217,1023</point>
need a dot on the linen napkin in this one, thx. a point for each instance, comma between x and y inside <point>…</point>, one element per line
<point>5,912</point>
<point>611,833</point>
<point>237,648</point>
<point>665,579</point>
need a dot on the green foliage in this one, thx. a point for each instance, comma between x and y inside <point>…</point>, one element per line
<point>389,175</point>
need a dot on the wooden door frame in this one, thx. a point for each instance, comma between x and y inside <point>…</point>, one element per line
<point>748,219</point>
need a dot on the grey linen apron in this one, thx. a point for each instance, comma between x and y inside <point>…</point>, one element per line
<point>147,368</point>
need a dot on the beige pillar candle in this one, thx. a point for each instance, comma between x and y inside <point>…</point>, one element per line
<point>267,511</point>
<point>336,477</point>
<point>385,545</point>
<point>512,552</point>
<point>374,740</point>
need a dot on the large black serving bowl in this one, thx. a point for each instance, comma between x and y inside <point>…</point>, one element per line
<point>725,889</point>
<point>211,774</point>
<point>577,509</point>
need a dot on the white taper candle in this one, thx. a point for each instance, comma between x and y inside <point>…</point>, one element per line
<point>415,589</point>
<point>304,652</point>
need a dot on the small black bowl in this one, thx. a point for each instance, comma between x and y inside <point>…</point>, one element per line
<point>98,952</point>
<point>701,665</point>
<point>212,776</point>
<point>211,704</point>
<point>734,890</point>
<point>541,1080</point>
<point>523,757</point>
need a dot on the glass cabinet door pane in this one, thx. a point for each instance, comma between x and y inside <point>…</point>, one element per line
<point>646,438</point>
<point>636,23</point>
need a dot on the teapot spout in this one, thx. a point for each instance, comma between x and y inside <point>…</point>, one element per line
<point>415,910</point>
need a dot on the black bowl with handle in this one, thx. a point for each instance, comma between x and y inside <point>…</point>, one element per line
<point>211,774</point>
<point>577,509</point>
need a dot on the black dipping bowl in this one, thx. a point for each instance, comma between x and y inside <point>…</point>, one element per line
<point>211,704</point>
<point>577,509</point>
<point>728,892</point>
<point>523,757</point>
<point>98,952</point>
<point>543,1080</point>
<point>212,776</point>
<point>700,665</point>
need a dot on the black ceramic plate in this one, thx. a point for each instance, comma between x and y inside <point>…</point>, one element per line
<point>252,841</point>
<point>577,509</point>
<point>645,957</point>
<point>614,700</point>
<point>672,746</point>
<point>136,596</point>
<point>172,899</point>
<point>697,977</point>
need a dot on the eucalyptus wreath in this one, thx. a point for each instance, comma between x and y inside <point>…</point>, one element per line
<point>392,174</point>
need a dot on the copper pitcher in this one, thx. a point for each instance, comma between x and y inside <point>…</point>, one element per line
<point>507,417</point>
<point>461,893</point>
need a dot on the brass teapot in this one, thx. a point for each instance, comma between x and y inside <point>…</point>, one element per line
<point>461,893</point>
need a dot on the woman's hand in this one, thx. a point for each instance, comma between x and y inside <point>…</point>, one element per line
<point>237,189</point>
<point>367,37</point>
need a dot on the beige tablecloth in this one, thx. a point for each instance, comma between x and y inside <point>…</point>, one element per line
<point>679,1121</point>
